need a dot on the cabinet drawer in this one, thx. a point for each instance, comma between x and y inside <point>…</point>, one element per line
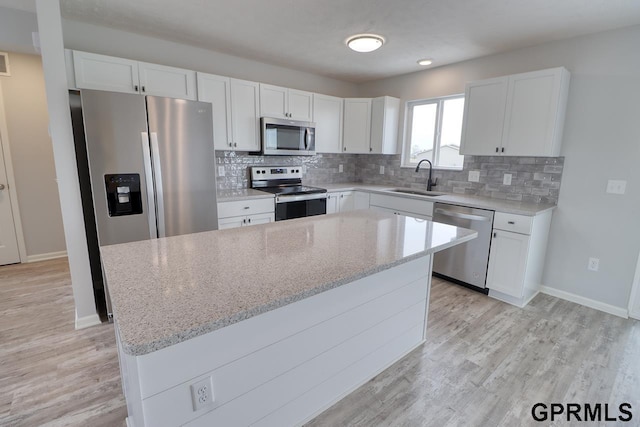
<point>511,222</point>
<point>245,207</point>
<point>407,204</point>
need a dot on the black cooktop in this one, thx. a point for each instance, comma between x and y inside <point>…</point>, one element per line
<point>292,189</point>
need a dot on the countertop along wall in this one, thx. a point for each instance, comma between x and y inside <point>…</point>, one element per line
<point>601,142</point>
<point>32,156</point>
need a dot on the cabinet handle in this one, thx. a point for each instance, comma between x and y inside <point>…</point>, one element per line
<point>344,149</point>
<point>135,88</point>
<point>511,222</point>
<point>341,196</point>
<point>235,144</point>
<point>370,149</point>
<point>249,220</point>
<point>495,234</point>
<point>143,89</point>
<point>244,220</point>
<point>246,207</point>
<point>497,149</point>
<point>503,149</point>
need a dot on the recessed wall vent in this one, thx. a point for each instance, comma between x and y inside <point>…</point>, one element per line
<point>4,64</point>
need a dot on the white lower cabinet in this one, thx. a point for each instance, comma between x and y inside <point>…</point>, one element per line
<point>516,259</point>
<point>402,205</point>
<point>342,201</point>
<point>242,213</point>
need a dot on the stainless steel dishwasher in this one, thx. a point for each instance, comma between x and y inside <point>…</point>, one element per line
<point>466,263</point>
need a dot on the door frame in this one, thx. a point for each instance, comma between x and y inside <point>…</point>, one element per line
<point>11,182</point>
<point>634,298</point>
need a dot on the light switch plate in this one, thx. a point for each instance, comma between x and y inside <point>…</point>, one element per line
<point>381,170</point>
<point>506,180</point>
<point>221,171</point>
<point>616,186</point>
<point>474,176</point>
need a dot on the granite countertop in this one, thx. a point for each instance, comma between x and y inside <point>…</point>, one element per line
<point>242,194</point>
<point>506,206</point>
<point>165,291</point>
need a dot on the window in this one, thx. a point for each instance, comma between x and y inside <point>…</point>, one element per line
<point>434,130</point>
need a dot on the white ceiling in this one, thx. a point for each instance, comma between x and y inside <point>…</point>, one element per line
<point>309,35</point>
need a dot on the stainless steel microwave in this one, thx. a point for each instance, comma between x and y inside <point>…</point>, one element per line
<point>288,137</point>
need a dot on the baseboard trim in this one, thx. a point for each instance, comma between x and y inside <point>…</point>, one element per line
<point>47,256</point>
<point>587,302</point>
<point>87,321</point>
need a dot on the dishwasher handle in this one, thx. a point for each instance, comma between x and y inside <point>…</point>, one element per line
<point>461,215</point>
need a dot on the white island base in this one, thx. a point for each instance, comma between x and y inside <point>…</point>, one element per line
<point>285,366</point>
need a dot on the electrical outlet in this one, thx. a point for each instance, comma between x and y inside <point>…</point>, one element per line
<point>202,393</point>
<point>506,180</point>
<point>340,168</point>
<point>221,171</point>
<point>616,186</point>
<point>381,170</point>
<point>474,176</point>
<point>594,264</point>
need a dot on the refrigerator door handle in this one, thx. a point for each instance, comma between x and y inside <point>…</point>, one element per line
<point>157,176</point>
<point>148,177</point>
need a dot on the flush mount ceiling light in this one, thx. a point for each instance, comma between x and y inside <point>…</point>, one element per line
<point>425,61</point>
<point>365,42</point>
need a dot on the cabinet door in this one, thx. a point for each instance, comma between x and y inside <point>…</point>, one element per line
<point>332,202</point>
<point>245,115</point>
<point>300,105</point>
<point>483,122</point>
<point>171,82</point>
<point>263,218</point>
<point>507,263</point>
<point>347,201</point>
<point>531,113</point>
<point>357,125</point>
<point>233,222</point>
<point>103,72</point>
<point>361,200</point>
<point>215,89</point>
<point>327,113</point>
<point>385,112</point>
<point>273,101</point>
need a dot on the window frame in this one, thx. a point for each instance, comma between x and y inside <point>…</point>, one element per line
<point>406,146</point>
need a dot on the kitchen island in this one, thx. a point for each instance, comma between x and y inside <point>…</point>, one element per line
<point>271,324</point>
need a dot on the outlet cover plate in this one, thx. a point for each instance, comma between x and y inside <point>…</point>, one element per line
<point>616,186</point>
<point>202,393</point>
<point>221,171</point>
<point>474,176</point>
<point>381,170</point>
<point>340,168</point>
<point>506,180</point>
<point>594,264</point>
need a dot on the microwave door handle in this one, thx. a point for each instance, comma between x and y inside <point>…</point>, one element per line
<point>306,138</point>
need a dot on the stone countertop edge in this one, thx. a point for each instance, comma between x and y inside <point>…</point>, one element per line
<point>242,194</point>
<point>146,348</point>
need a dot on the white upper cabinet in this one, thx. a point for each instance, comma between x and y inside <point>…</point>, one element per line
<point>327,112</point>
<point>284,103</point>
<point>483,120</point>
<point>535,111</point>
<point>217,91</point>
<point>385,112</point>
<point>357,125</point>
<point>517,115</point>
<point>166,81</point>
<point>245,115</point>
<point>101,72</point>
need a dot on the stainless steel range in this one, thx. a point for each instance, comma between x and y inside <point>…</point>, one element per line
<point>293,200</point>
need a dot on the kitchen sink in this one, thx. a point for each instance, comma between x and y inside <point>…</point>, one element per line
<point>417,192</point>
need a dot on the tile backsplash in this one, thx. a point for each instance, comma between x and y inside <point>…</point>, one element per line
<point>533,179</point>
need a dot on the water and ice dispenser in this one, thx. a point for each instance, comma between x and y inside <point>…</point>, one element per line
<point>123,194</point>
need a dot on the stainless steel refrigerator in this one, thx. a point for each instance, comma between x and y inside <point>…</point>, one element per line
<point>151,166</point>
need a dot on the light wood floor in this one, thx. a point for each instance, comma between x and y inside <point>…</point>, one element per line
<point>485,363</point>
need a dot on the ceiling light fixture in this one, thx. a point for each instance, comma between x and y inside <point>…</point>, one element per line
<point>365,42</point>
<point>425,61</point>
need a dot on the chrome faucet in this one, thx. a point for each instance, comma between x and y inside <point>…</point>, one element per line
<point>430,183</point>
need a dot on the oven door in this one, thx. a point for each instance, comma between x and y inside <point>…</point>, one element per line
<point>289,207</point>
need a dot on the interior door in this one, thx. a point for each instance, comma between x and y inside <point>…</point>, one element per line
<point>9,253</point>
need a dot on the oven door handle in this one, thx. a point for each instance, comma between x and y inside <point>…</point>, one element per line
<point>300,197</point>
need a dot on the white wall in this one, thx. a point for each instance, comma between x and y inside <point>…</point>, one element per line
<point>601,142</point>
<point>32,155</point>
<point>108,41</point>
